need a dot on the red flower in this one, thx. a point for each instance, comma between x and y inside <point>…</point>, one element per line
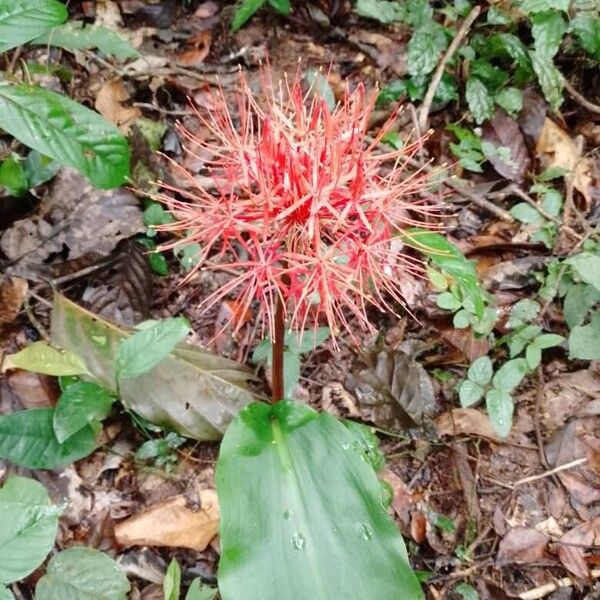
<point>307,207</point>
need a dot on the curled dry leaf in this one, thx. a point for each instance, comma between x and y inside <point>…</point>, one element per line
<point>199,49</point>
<point>12,295</point>
<point>174,523</point>
<point>33,390</point>
<point>522,545</point>
<point>110,104</point>
<point>510,157</point>
<point>573,546</point>
<point>465,421</point>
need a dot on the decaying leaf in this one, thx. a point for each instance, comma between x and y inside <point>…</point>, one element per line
<point>12,294</point>
<point>572,547</point>
<point>394,390</point>
<point>508,153</point>
<point>522,545</point>
<point>175,523</point>
<point>110,104</point>
<point>193,392</point>
<point>556,149</point>
<point>73,219</point>
<point>34,390</point>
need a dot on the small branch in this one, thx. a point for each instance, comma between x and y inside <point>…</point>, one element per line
<point>559,469</point>
<point>437,76</point>
<point>548,588</point>
<point>581,100</point>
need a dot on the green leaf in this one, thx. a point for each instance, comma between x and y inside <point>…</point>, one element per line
<point>284,541</point>
<point>311,339</point>
<point>547,29</point>
<point>172,581</point>
<point>586,29</point>
<point>318,84</point>
<point>531,7</point>
<point>548,340</point>
<point>523,312</point>
<point>153,132</point>
<point>495,16</point>
<point>142,351</point>
<point>39,168</point>
<point>500,408</point>
<point>525,213</point>
<point>384,11</point>
<point>66,131</point>
<point>391,92</point>
<point>81,404</point>
<point>481,370</point>
<point>515,48</point>
<point>27,439</point>
<point>468,592</point>
<point>469,393</point>
<point>155,214</point>
<point>40,357</point>
<point>424,49</point>
<point>13,177</point>
<point>584,340</point>
<point>283,7</point>
<point>510,374</point>
<point>77,35</point>
<point>291,374</point>
<point>200,591</point>
<point>244,11</point>
<point>448,301</point>
<point>369,442</point>
<point>23,20</point>
<point>550,79</point>
<point>188,255</point>
<point>461,319</point>
<point>533,356</point>
<point>578,300</point>
<point>479,100</point>
<point>490,75</point>
<point>5,593</point>
<point>27,529</point>
<point>587,266</point>
<point>510,99</point>
<point>82,574</point>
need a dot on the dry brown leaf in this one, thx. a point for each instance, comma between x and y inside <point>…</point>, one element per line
<point>522,545</point>
<point>461,421</point>
<point>418,527</point>
<point>402,499</point>
<point>109,103</point>
<point>571,548</point>
<point>173,523</point>
<point>12,294</point>
<point>200,47</point>
<point>33,389</point>
<point>555,148</point>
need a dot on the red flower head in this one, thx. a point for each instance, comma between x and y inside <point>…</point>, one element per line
<point>307,207</point>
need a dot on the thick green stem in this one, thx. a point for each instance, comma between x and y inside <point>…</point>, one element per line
<point>278,348</point>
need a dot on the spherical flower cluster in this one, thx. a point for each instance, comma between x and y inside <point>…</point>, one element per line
<point>307,209</point>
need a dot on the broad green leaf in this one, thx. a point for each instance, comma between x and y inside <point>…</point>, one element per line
<point>548,340</point>
<point>311,339</point>
<point>193,392</point>
<point>584,340</point>
<point>23,20</point>
<point>448,301</point>
<point>244,11</point>
<point>587,266</point>
<point>188,255</point>
<point>586,29</point>
<point>461,319</point>
<point>479,100</point>
<point>77,35</point>
<point>81,404</point>
<point>493,77</point>
<point>424,49</point>
<point>39,168</point>
<point>391,92</point>
<point>547,30</point>
<point>40,357</point>
<point>27,439</point>
<point>531,7</point>
<point>500,408</point>
<point>384,11</point>
<point>67,131</point>
<point>515,48</point>
<point>82,574</point>
<point>495,16</point>
<point>27,529</point>
<point>510,374</point>
<point>578,300</point>
<point>469,393</point>
<point>527,214</point>
<point>13,177</point>
<point>284,540</point>
<point>550,79</point>
<point>143,350</point>
<point>367,439</point>
<point>510,99</point>
<point>6,594</point>
<point>319,86</point>
<point>523,312</point>
<point>153,132</point>
<point>155,214</point>
<point>291,373</point>
<point>172,581</point>
<point>283,7</point>
<point>468,592</point>
<point>199,591</point>
<point>481,370</point>
<point>533,356</point>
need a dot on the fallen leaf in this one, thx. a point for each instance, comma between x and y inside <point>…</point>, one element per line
<point>556,149</point>
<point>522,545</point>
<point>418,527</point>
<point>402,500</point>
<point>109,103</point>
<point>200,47</point>
<point>571,547</point>
<point>461,421</point>
<point>532,116</point>
<point>34,390</point>
<point>173,523</point>
<point>465,341</point>
<point>510,156</point>
<point>13,291</point>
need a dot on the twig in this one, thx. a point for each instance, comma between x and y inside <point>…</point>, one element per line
<point>548,588</point>
<point>566,466</point>
<point>34,320</point>
<point>539,396</point>
<point>163,111</point>
<point>437,76</point>
<point>582,100</point>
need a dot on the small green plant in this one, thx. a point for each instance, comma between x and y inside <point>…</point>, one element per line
<point>246,9</point>
<point>172,586</point>
<point>162,450</point>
